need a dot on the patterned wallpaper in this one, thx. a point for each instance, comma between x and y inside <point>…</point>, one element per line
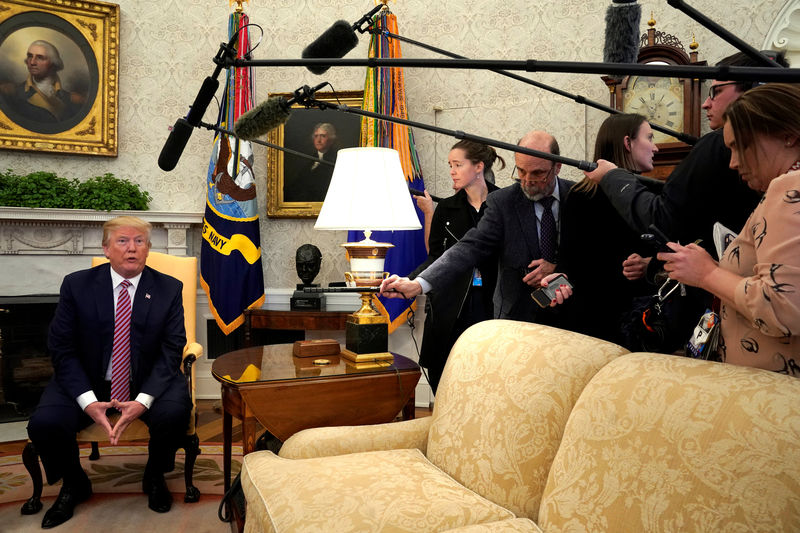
<point>167,46</point>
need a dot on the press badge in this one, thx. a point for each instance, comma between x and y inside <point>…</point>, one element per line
<point>477,281</point>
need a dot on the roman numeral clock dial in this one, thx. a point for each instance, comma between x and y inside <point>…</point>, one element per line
<point>673,103</point>
<point>658,99</point>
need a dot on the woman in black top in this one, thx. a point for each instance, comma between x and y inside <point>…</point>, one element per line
<point>600,254</point>
<point>468,301</point>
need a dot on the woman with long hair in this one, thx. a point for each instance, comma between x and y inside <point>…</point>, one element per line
<point>600,254</point>
<point>757,278</point>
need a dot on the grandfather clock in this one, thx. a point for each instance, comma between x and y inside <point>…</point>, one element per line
<point>670,102</point>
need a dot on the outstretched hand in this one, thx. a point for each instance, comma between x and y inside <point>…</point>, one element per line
<point>129,411</point>
<point>396,287</point>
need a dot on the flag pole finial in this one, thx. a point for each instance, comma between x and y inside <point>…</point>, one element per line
<point>239,6</point>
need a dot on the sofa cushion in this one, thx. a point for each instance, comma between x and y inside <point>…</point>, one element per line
<point>502,403</point>
<point>512,525</point>
<point>396,490</point>
<point>665,443</point>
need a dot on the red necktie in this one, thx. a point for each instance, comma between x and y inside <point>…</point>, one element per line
<point>121,353</point>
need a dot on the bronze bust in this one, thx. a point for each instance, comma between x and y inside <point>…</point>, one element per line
<point>308,259</point>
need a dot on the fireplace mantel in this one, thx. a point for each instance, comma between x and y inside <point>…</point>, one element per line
<point>23,228</point>
<point>91,215</point>
<point>38,247</point>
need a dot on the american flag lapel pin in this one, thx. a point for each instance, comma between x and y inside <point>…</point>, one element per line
<point>147,295</point>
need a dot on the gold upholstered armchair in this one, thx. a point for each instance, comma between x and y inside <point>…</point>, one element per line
<point>185,270</point>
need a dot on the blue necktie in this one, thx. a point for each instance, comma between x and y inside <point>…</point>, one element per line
<point>548,237</point>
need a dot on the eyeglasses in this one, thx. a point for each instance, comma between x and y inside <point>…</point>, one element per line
<point>713,91</point>
<point>536,175</point>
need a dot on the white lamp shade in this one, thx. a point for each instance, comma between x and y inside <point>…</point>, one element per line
<point>368,191</point>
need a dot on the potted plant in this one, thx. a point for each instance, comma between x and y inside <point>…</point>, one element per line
<point>47,190</point>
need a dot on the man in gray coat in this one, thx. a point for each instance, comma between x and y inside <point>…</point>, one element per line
<point>511,230</point>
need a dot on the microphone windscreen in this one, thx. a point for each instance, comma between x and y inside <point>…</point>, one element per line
<point>174,145</point>
<point>622,32</point>
<point>335,42</point>
<point>262,119</point>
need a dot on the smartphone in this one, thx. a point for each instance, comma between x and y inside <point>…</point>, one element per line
<point>544,295</point>
<point>657,237</point>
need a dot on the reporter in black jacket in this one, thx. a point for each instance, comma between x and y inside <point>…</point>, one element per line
<point>701,190</point>
<point>468,301</point>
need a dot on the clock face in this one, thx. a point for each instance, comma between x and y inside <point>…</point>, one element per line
<point>658,99</point>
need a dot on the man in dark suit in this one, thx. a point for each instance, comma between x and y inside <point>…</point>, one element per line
<point>90,352</point>
<point>513,229</point>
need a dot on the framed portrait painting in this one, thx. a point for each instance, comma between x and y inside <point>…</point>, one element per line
<point>296,185</point>
<point>58,76</point>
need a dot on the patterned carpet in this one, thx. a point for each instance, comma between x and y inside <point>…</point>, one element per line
<point>119,470</point>
<point>116,481</point>
<point>123,513</point>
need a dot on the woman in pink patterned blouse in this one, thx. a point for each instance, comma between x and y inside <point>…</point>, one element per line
<point>758,276</point>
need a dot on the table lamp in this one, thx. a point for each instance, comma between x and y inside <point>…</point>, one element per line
<point>369,192</point>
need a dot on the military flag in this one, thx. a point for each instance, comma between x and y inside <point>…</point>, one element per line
<point>230,257</point>
<point>384,92</point>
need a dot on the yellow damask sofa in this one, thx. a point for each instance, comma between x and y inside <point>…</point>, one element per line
<point>538,429</point>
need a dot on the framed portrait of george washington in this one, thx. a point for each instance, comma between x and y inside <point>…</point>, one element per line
<point>58,76</point>
<point>296,185</point>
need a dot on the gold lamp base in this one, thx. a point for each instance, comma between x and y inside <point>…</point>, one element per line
<point>366,330</point>
<point>367,314</point>
<point>366,333</point>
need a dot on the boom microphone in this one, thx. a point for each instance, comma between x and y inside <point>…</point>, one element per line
<point>748,50</point>
<point>762,74</point>
<point>336,41</point>
<point>688,139</point>
<point>230,133</point>
<point>174,145</point>
<point>583,165</point>
<point>182,130</point>
<point>271,113</point>
<point>262,119</point>
<point>622,32</point>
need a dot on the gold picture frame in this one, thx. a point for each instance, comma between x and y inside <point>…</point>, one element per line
<point>78,44</point>
<point>291,180</point>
